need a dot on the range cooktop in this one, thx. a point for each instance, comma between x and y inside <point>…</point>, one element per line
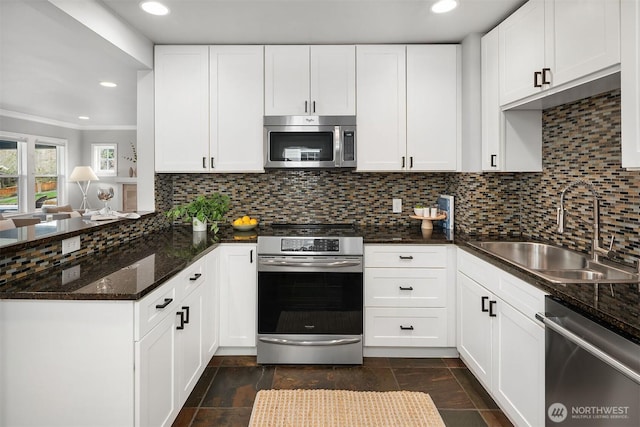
<point>311,230</point>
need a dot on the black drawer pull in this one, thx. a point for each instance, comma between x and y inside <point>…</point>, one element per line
<point>181,325</point>
<point>491,305</point>
<point>402,288</point>
<point>195,277</point>
<point>166,302</point>
<point>406,328</point>
<point>406,257</point>
<point>484,308</point>
<point>186,317</point>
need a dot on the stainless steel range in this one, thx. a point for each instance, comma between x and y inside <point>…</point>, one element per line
<point>310,295</point>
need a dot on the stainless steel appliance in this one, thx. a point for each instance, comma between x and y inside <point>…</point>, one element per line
<point>592,373</point>
<point>310,295</point>
<point>310,141</point>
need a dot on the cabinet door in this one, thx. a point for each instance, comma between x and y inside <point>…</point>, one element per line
<point>522,51</point>
<point>238,290</point>
<point>286,80</point>
<point>474,328</point>
<point>433,101</point>
<point>333,80</point>
<point>155,375</point>
<point>630,83</point>
<point>519,342</point>
<point>381,99</point>
<point>210,311</point>
<point>584,37</point>
<point>181,108</point>
<point>190,363</point>
<point>491,112</point>
<point>236,105</point>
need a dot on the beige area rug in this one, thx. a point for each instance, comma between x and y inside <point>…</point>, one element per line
<point>333,408</point>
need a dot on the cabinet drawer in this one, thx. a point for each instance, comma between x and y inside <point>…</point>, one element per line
<point>478,270</point>
<point>410,256</point>
<point>191,277</point>
<point>153,308</point>
<point>405,327</point>
<point>405,287</point>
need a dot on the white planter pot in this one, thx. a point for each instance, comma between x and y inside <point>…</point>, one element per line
<point>199,225</point>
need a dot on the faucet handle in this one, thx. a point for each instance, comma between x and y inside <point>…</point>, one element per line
<point>613,237</point>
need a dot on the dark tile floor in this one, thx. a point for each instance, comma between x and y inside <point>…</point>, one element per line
<point>225,393</point>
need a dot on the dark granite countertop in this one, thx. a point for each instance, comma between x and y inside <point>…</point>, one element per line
<point>166,253</point>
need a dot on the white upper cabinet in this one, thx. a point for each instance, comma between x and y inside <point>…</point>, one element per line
<point>557,44</point>
<point>585,36</point>
<point>181,108</point>
<point>408,102</point>
<point>209,112</point>
<point>382,107</point>
<point>522,52</point>
<point>317,80</point>
<point>433,103</point>
<point>333,80</point>
<point>511,140</point>
<point>630,82</point>
<point>236,100</point>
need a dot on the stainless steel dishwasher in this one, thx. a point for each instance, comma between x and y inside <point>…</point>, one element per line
<point>592,374</point>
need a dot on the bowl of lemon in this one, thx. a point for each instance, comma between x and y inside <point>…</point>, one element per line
<point>245,223</point>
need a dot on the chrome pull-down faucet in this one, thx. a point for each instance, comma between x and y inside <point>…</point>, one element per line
<point>596,250</point>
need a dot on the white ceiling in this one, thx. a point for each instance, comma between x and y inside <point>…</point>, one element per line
<point>50,64</point>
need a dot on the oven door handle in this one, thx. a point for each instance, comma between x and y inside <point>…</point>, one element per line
<point>590,348</point>
<point>280,341</point>
<point>330,264</point>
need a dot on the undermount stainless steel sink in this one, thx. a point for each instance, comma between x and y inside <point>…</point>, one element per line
<point>555,264</point>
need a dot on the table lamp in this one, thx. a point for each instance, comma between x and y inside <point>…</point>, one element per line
<point>82,174</point>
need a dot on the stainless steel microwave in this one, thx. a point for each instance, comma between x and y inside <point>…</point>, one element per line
<point>310,142</point>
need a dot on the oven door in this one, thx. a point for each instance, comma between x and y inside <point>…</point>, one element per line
<point>307,295</point>
<point>301,146</point>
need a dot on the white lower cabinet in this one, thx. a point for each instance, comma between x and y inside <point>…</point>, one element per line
<point>238,293</point>
<point>408,297</point>
<point>499,339</point>
<point>108,363</point>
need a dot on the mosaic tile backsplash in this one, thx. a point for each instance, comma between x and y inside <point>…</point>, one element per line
<point>316,196</point>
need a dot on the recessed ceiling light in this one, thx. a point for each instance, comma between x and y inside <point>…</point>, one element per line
<point>443,6</point>
<point>154,8</point>
<point>83,117</point>
<point>108,84</point>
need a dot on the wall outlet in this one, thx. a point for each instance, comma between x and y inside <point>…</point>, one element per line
<point>70,274</point>
<point>70,245</point>
<point>397,205</point>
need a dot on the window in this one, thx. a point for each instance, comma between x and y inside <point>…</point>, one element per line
<point>31,172</point>
<point>46,174</point>
<point>9,176</point>
<point>105,159</point>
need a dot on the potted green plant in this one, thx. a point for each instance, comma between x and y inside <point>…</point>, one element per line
<point>418,209</point>
<point>202,210</point>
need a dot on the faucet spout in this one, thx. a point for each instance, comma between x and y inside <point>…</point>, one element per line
<point>595,243</point>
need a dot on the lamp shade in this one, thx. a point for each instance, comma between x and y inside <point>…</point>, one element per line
<point>82,173</point>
